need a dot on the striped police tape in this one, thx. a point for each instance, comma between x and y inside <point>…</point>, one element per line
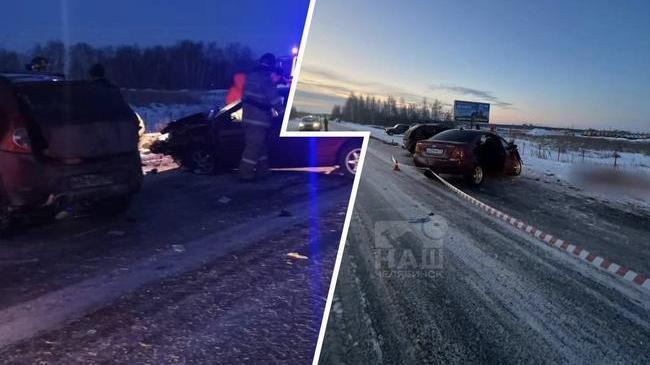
<point>577,251</point>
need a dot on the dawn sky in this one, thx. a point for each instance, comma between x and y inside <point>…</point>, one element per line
<point>557,63</point>
<point>262,25</point>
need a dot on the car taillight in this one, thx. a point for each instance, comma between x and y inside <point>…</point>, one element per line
<point>17,141</point>
<point>419,147</point>
<point>457,154</point>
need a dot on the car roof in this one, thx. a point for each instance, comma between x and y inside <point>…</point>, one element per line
<point>473,131</point>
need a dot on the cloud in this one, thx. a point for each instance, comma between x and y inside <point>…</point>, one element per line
<point>480,94</point>
<point>333,88</point>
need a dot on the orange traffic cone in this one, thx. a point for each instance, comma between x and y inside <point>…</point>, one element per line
<point>395,164</point>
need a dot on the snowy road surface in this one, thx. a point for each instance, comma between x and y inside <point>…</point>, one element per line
<point>496,295</point>
<point>195,272</point>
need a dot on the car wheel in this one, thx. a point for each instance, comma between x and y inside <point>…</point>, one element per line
<point>201,160</point>
<point>516,170</point>
<point>475,178</point>
<point>389,133</point>
<point>349,160</point>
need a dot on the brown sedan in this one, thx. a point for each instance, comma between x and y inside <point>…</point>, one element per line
<point>471,153</point>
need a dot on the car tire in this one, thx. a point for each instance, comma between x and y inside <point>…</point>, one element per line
<point>200,160</point>
<point>348,160</point>
<point>389,133</point>
<point>516,170</point>
<point>476,177</point>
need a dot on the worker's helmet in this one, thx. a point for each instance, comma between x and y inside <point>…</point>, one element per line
<point>267,59</point>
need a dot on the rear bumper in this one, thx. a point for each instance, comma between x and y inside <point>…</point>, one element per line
<point>26,182</point>
<point>442,166</point>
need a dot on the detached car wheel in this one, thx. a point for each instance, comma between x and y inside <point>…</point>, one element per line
<point>476,177</point>
<point>349,161</point>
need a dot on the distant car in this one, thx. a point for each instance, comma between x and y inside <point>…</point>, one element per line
<point>471,153</point>
<point>210,143</point>
<point>419,132</point>
<point>64,143</point>
<point>397,129</point>
<point>309,123</point>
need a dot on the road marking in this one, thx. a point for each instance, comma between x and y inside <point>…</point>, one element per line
<point>576,251</point>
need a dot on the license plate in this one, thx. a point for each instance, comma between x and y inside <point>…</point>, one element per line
<point>435,151</point>
<point>89,181</point>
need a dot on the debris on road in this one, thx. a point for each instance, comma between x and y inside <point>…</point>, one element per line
<point>178,248</point>
<point>296,256</point>
<point>61,215</point>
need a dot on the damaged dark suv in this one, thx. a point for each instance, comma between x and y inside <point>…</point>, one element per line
<point>64,143</point>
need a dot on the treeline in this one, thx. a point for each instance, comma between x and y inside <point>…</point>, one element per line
<point>184,65</point>
<point>371,110</point>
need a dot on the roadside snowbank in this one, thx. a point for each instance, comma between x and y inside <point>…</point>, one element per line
<point>156,115</point>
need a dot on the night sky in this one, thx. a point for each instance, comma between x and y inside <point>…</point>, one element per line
<point>264,26</point>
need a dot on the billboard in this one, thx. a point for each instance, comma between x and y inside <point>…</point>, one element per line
<point>469,111</point>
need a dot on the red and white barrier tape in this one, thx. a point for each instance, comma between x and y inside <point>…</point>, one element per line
<point>577,251</point>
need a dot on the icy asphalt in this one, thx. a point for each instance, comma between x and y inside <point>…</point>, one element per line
<point>498,295</point>
<point>195,272</point>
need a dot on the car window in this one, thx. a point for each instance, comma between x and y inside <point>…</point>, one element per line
<point>455,135</point>
<point>73,103</point>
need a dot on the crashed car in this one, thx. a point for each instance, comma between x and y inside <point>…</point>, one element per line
<point>470,153</point>
<point>64,143</point>
<point>397,129</point>
<point>208,143</point>
<point>419,132</point>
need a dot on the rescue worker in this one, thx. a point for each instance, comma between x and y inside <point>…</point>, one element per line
<point>236,90</point>
<point>260,105</point>
<point>98,75</point>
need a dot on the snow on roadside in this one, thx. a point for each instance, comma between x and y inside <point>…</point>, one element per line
<point>157,115</point>
<point>376,132</point>
<point>543,132</point>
